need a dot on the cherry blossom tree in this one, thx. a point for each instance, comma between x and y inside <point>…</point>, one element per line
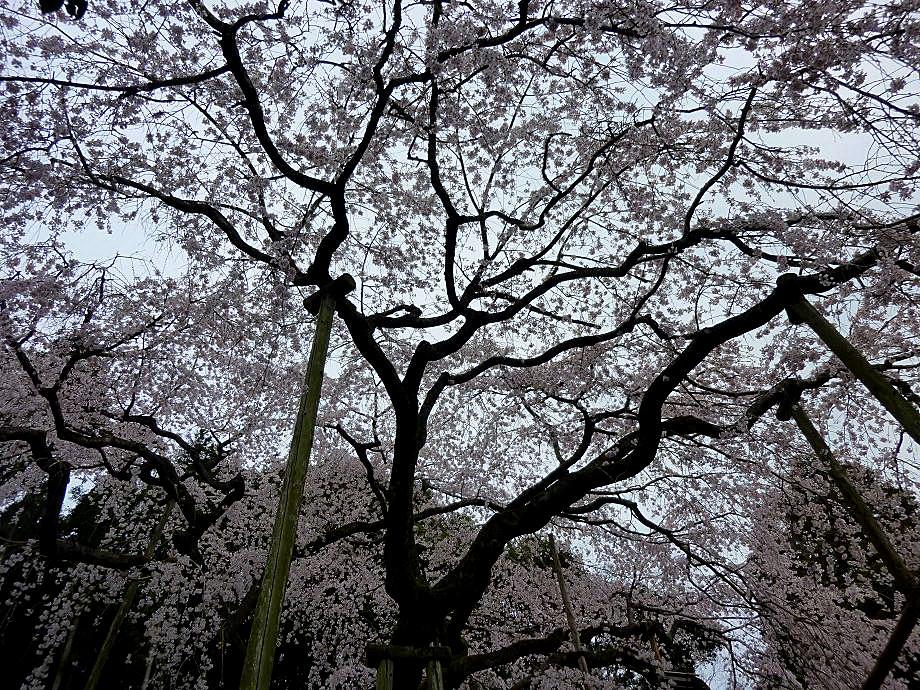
<point>576,228</point>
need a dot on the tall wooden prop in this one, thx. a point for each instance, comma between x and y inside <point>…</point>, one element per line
<point>567,604</point>
<point>64,662</point>
<point>905,580</point>
<point>127,601</point>
<point>260,653</point>
<point>802,311</point>
<point>900,408</point>
<point>383,657</point>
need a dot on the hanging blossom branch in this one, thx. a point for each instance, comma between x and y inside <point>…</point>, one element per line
<point>156,469</point>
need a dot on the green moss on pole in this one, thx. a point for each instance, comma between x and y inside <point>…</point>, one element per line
<point>900,408</point>
<point>260,653</point>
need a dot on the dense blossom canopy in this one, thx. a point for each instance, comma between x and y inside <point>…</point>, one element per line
<point>566,220</point>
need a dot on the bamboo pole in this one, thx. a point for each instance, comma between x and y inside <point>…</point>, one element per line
<point>899,407</point>
<point>567,604</point>
<point>260,652</point>
<point>127,602</point>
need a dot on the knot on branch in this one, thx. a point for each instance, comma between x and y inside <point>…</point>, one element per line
<point>789,397</point>
<point>791,293</point>
<point>335,289</point>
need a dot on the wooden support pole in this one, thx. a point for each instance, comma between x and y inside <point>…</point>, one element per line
<point>567,604</point>
<point>382,656</point>
<point>899,636</point>
<point>900,408</point>
<point>385,675</point>
<point>854,503</point>
<point>64,662</point>
<point>263,637</point>
<point>127,601</point>
<point>433,673</point>
<point>148,669</point>
<point>902,575</point>
<point>907,415</point>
